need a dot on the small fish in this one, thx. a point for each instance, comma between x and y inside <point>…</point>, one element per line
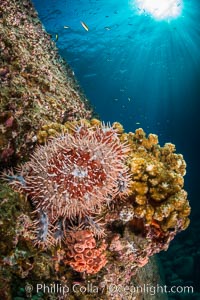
<point>107,28</point>
<point>137,123</point>
<point>129,99</point>
<point>56,37</point>
<point>66,27</point>
<point>85,26</point>
<point>90,75</point>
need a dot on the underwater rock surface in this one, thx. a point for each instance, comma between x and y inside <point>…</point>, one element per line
<point>98,252</point>
<point>181,263</point>
<point>36,85</point>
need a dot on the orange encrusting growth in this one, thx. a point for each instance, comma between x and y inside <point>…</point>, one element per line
<point>83,255</point>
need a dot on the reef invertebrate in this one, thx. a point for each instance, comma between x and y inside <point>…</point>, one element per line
<point>82,254</point>
<point>157,181</point>
<point>74,175</point>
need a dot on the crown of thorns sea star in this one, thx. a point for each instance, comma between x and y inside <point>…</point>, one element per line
<point>76,173</point>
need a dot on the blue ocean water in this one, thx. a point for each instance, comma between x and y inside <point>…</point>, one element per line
<point>134,69</point>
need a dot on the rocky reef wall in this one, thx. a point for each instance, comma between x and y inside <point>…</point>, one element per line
<point>36,85</point>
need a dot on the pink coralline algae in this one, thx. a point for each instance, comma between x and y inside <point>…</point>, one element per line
<point>73,177</point>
